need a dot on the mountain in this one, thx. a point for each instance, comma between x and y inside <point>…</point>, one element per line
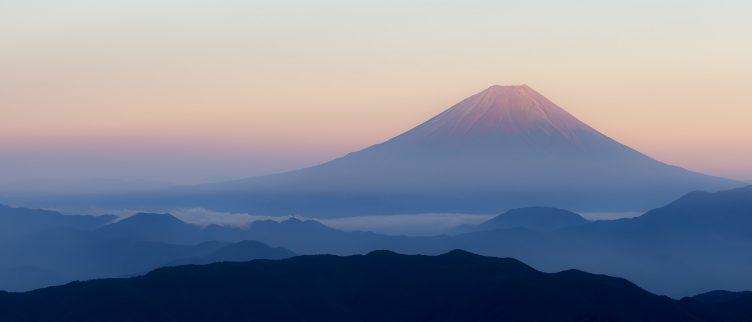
<point>726,214</point>
<point>534,218</point>
<point>721,296</point>
<point>307,236</point>
<point>721,306</point>
<point>70,254</point>
<point>150,227</point>
<point>15,222</point>
<point>59,256</point>
<point>153,227</point>
<point>167,228</point>
<point>312,237</point>
<point>380,286</point>
<point>697,243</point>
<point>505,147</point>
<point>40,248</point>
<point>301,236</point>
<point>238,252</point>
<point>24,278</point>
<point>676,249</point>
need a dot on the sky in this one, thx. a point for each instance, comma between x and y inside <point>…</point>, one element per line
<point>176,92</point>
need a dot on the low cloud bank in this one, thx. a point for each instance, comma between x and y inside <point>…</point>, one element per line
<point>412,224</point>
<point>404,224</point>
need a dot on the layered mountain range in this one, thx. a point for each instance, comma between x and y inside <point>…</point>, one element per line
<point>695,244</point>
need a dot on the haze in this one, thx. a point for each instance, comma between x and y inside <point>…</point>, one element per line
<point>159,92</point>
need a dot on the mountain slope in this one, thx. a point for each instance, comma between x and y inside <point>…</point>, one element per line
<point>238,252</point>
<point>16,222</point>
<point>167,228</point>
<point>381,286</point>
<point>720,296</point>
<point>676,249</point>
<point>534,218</point>
<point>698,243</point>
<point>721,306</point>
<point>54,257</point>
<point>725,213</point>
<point>151,227</point>
<point>505,147</point>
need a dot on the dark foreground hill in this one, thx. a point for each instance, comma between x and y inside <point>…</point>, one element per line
<point>380,286</point>
<point>721,306</point>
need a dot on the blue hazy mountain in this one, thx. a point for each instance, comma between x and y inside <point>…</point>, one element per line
<point>48,248</point>
<point>242,251</point>
<point>24,278</point>
<point>505,147</point>
<point>166,228</point>
<point>698,243</point>
<point>153,227</point>
<point>16,222</point>
<point>304,236</point>
<point>54,257</point>
<point>380,286</point>
<point>534,218</point>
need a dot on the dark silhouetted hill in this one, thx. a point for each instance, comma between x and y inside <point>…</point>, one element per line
<point>721,296</point>
<point>721,306</point>
<point>381,286</point>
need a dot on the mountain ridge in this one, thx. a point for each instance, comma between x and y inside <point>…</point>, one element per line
<point>534,218</point>
<point>379,286</point>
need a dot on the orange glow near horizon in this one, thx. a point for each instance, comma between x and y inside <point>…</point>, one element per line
<point>238,89</point>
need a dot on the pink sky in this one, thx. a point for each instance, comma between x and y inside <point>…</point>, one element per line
<point>188,92</point>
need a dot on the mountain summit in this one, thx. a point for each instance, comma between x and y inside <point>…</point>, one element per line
<point>505,147</point>
<point>501,111</point>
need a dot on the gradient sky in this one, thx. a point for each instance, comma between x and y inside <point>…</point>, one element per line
<point>197,90</point>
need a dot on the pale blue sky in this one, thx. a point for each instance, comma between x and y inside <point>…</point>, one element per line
<point>182,91</point>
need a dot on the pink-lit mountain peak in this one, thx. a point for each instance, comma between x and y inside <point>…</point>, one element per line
<point>505,147</point>
<point>502,111</point>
